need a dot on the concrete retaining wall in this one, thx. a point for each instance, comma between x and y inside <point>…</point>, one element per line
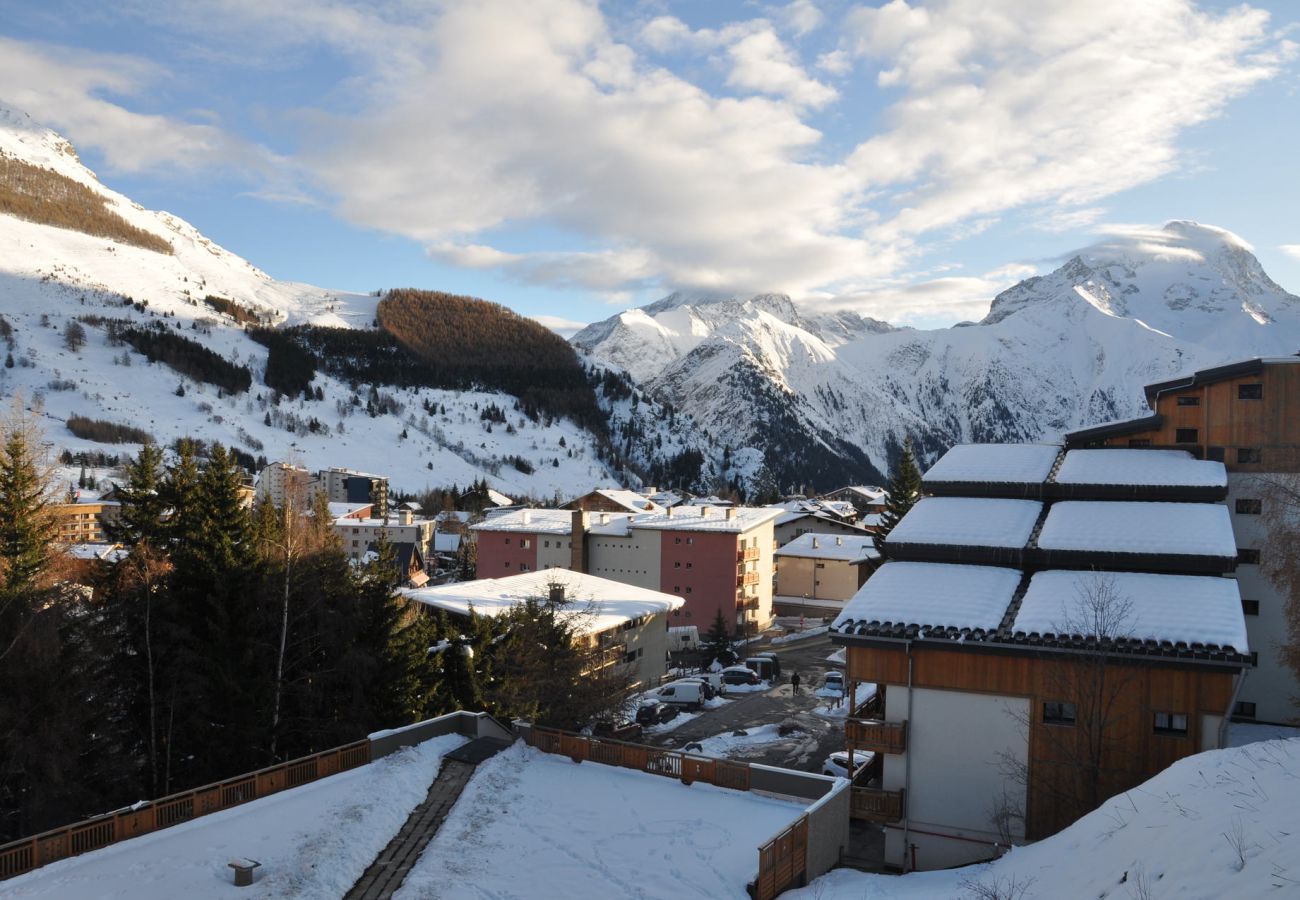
<point>471,725</point>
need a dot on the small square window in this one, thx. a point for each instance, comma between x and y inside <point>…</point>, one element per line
<point>1250,607</point>
<point>1214,454</point>
<point>1189,401</point>
<point>1169,723</point>
<point>1249,455</point>
<point>1249,507</point>
<point>507,542</point>
<point>688,590</point>
<point>690,565</point>
<point>677,565</point>
<point>677,589</point>
<point>1244,710</point>
<point>1254,658</point>
<point>1250,392</point>
<point>690,540</point>
<point>1247,556</point>
<point>1055,713</point>
<point>1186,435</point>
<point>677,540</point>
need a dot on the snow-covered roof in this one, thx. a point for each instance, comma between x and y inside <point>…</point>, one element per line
<point>867,492</point>
<point>830,546</point>
<point>603,603</point>
<point>446,542</point>
<point>629,500</point>
<point>108,552</point>
<point>1200,609</point>
<point>706,518</point>
<point>447,515</point>
<point>937,595</point>
<point>871,520</point>
<point>498,499</point>
<point>1140,467</point>
<point>341,510</point>
<point>995,464</point>
<point>1195,529</point>
<point>532,521</point>
<point>968,522</point>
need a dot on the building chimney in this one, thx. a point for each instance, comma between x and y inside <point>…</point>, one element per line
<point>651,491</point>
<point>815,543</point>
<point>526,516</point>
<point>670,512</point>
<point>403,517</point>
<point>556,595</point>
<point>731,513</point>
<point>704,511</point>
<point>578,540</point>
<point>839,541</point>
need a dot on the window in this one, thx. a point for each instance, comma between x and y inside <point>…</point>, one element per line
<point>1185,435</point>
<point>677,589</point>
<point>677,565</point>
<point>1169,723</point>
<point>1247,556</point>
<point>523,567</point>
<point>1214,454</point>
<point>1244,710</point>
<point>1249,455</point>
<point>525,543</point>
<point>1247,507</point>
<point>690,540</point>
<point>1254,658</point>
<point>1250,392</point>
<point>1189,401</point>
<point>1250,607</point>
<point>688,590</point>
<point>688,614</point>
<point>507,542</point>
<point>690,565</point>
<point>546,544</point>
<point>1055,713</point>
<point>1139,442</point>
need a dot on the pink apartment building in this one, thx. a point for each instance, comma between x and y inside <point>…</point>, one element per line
<point>715,559</point>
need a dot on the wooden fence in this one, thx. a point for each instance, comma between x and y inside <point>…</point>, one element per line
<point>875,805</point>
<point>30,853</point>
<point>672,763</point>
<point>783,861</point>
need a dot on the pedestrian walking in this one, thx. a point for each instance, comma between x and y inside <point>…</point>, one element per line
<point>794,682</point>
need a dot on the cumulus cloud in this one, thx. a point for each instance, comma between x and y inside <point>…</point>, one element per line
<point>1291,250</point>
<point>931,302</point>
<point>802,17</point>
<point>565,328</point>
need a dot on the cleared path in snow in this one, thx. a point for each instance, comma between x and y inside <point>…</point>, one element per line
<point>385,875</point>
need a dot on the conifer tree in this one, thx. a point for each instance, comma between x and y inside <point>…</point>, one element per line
<point>140,516</point>
<point>717,642</point>
<point>904,491</point>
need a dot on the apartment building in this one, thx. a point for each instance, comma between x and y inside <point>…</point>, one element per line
<point>1246,416</point>
<point>82,521</point>
<point>817,573</point>
<point>360,534</point>
<point>715,559</point>
<point>1051,628</point>
<point>629,622</point>
<point>350,486</point>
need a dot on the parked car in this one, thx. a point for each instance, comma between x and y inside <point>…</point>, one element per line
<point>834,681</point>
<point>739,675</point>
<point>776,661</point>
<point>838,762</point>
<point>766,669</point>
<point>690,694</point>
<point>712,679</point>
<point>710,690</point>
<point>654,712</point>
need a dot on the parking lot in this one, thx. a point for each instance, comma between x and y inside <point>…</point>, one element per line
<point>818,735</point>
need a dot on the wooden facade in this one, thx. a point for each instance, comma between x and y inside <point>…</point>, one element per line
<point>1249,407</point>
<point>1133,750</point>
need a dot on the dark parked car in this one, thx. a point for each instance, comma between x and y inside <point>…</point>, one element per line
<point>739,675</point>
<point>654,713</point>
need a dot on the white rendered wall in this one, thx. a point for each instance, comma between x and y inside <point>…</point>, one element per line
<point>1270,686</point>
<point>632,560</point>
<point>554,551</point>
<point>954,741</point>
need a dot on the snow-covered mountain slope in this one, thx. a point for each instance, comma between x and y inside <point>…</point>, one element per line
<point>51,276</point>
<point>829,401</point>
<point>1217,824</point>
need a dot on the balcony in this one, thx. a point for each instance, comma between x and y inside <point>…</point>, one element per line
<point>876,735</point>
<point>875,805</point>
<point>748,554</point>
<point>746,579</point>
<point>747,603</point>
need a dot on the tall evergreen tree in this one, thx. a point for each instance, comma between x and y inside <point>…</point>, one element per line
<point>904,491</point>
<point>140,516</point>
<point>717,642</point>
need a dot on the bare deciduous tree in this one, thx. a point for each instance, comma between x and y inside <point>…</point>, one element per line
<point>1279,555</point>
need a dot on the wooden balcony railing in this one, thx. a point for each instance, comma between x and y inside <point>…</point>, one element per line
<point>746,579</point>
<point>747,554</point>
<point>747,603</point>
<point>875,805</point>
<point>876,735</point>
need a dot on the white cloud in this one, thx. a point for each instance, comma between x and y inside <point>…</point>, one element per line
<point>565,328</point>
<point>1291,250</point>
<point>802,17</point>
<point>63,89</point>
<point>762,63</point>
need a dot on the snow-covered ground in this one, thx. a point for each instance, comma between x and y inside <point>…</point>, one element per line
<point>533,825</point>
<point>1215,825</point>
<point>731,744</point>
<point>313,841</point>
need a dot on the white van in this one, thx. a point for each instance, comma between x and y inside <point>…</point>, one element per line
<point>682,693</point>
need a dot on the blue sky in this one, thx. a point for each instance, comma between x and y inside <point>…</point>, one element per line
<point>570,159</point>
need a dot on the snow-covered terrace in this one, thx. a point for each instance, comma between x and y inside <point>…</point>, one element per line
<point>532,521</point>
<point>532,824</point>
<point>932,596</point>
<point>600,603</point>
<point>968,522</point>
<point>1162,468</point>
<point>1022,464</point>
<point>1188,609</point>
<point>1139,528</point>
